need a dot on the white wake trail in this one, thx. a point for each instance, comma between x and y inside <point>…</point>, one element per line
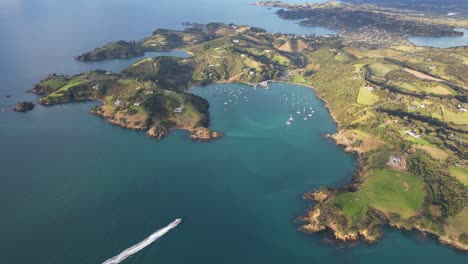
<point>141,245</point>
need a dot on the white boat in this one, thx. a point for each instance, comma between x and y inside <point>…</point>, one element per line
<point>309,114</point>
<point>288,123</point>
<point>175,222</point>
<point>298,112</point>
<point>291,118</point>
<point>305,118</point>
<point>143,244</point>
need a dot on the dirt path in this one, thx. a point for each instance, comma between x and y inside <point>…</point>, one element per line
<point>423,75</point>
<point>431,78</point>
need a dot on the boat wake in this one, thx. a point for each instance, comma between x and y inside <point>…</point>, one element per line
<point>141,245</point>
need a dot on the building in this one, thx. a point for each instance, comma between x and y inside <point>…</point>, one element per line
<point>117,102</point>
<point>412,133</point>
<point>396,162</point>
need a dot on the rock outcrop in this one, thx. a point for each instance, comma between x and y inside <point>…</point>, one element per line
<point>157,132</point>
<point>24,106</point>
<point>204,134</point>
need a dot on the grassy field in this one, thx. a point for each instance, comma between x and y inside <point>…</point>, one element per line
<point>368,141</point>
<point>366,97</point>
<point>404,48</point>
<point>465,60</point>
<point>435,88</point>
<point>189,118</point>
<point>53,84</point>
<point>381,53</point>
<point>459,118</point>
<point>381,69</point>
<point>457,225</point>
<point>252,64</point>
<point>298,78</point>
<point>65,88</point>
<point>423,144</point>
<point>418,141</point>
<point>435,152</point>
<point>461,174</point>
<point>386,190</point>
<point>281,59</point>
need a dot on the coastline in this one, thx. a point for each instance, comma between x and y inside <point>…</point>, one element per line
<point>337,94</point>
<point>205,134</point>
<point>319,196</point>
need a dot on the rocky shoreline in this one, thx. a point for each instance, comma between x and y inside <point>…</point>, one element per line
<point>152,95</point>
<point>317,221</point>
<point>323,216</point>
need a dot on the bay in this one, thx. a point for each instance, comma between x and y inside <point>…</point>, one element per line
<point>442,42</point>
<point>75,189</point>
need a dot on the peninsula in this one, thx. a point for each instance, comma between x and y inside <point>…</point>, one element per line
<point>401,108</point>
<point>369,25</point>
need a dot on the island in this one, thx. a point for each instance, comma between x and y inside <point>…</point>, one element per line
<point>401,108</point>
<point>24,106</point>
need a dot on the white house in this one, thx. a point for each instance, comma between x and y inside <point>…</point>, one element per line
<point>413,133</point>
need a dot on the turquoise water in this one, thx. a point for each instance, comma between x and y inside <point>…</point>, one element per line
<point>89,189</point>
<point>75,189</point>
<point>442,42</point>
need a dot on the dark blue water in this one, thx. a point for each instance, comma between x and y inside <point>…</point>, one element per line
<point>75,189</point>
